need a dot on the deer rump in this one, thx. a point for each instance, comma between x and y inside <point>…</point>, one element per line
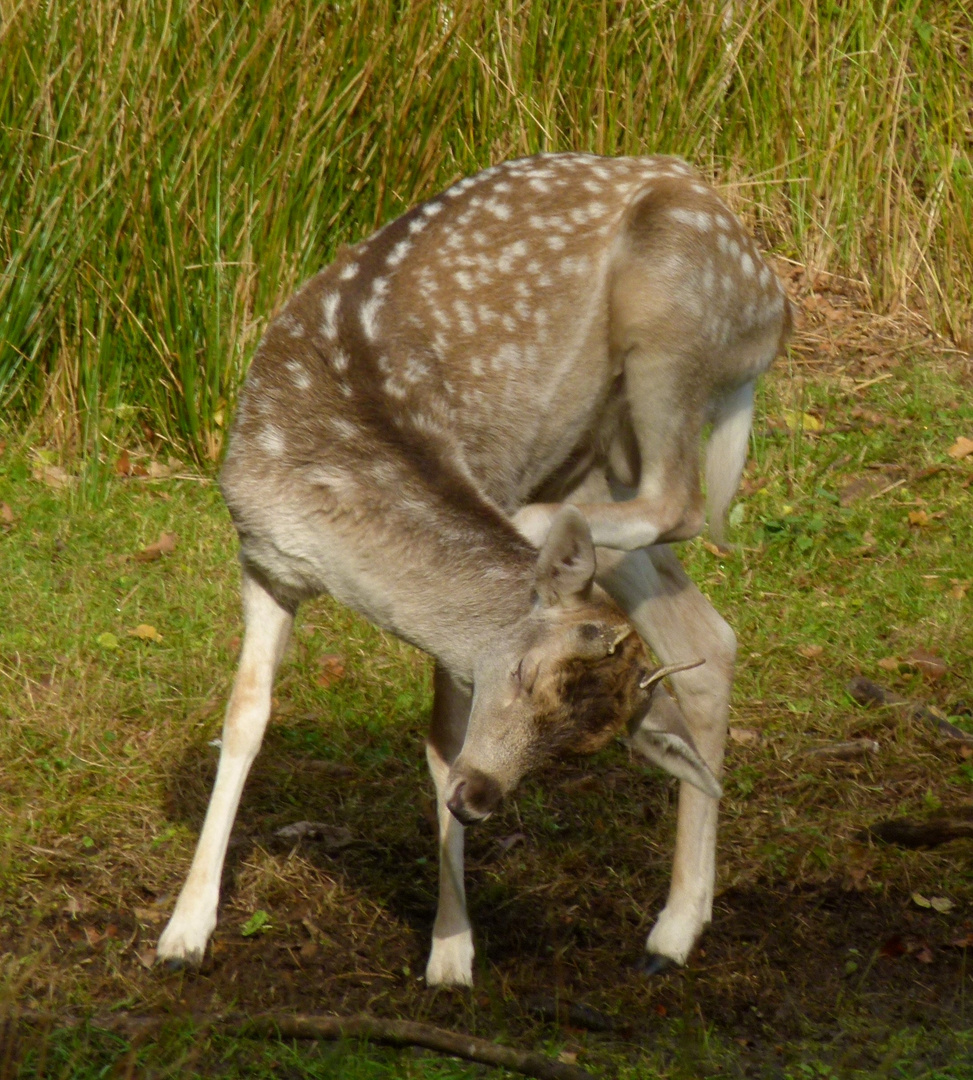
<point>442,427</point>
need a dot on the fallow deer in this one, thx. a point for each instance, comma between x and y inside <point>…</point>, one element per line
<point>438,430</point>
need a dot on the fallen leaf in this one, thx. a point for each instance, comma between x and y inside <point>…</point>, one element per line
<point>963,942</point>
<point>959,589</point>
<point>889,663</point>
<point>893,948</point>
<point>123,465</point>
<point>259,922</point>
<point>924,955</point>
<point>157,471</point>
<point>165,545</point>
<point>921,901</point>
<point>810,652</point>
<point>151,915</point>
<point>145,632</point>
<point>919,518</point>
<point>802,421</point>
<point>960,449</point>
<point>107,641</point>
<point>941,904</point>
<point>331,837</point>
<point>859,488</point>
<point>928,664</point>
<point>331,669</point>
<point>146,956</point>
<point>567,1057</point>
<point>52,475</point>
<point>6,515</point>
<point>744,736</point>
<point>511,841</point>
<point>93,936</point>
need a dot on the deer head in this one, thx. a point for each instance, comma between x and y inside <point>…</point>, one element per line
<point>566,679</point>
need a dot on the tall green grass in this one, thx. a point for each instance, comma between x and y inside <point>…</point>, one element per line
<point>170,169</point>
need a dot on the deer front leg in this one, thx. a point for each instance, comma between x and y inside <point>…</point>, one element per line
<point>679,623</point>
<point>451,957</point>
<point>268,627</point>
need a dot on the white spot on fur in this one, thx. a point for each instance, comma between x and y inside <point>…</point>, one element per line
<point>368,316</point>
<point>398,253</point>
<point>747,264</point>
<point>298,373</point>
<point>499,210</point>
<point>293,326</point>
<point>465,313</point>
<point>339,360</point>
<point>349,271</point>
<point>415,370</point>
<point>695,219</point>
<point>555,243</point>
<point>271,441</point>
<point>345,428</point>
<point>329,307</point>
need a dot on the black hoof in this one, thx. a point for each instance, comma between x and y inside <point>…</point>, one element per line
<point>653,964</point>
<point>175,964</point>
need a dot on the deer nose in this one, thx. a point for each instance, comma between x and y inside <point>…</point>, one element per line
<point>474,798</point>
<point>458,808</point>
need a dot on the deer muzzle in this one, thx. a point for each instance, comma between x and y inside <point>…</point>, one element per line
<point>474,797</point>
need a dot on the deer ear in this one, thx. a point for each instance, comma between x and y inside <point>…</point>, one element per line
<point>566,563</point>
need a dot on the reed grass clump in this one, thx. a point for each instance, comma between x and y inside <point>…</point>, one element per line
<point>171,169</point>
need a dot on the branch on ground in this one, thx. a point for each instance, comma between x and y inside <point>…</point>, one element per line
<point>410,1033</point>
<point>937,829</point>
<point>304,1026</point>
<point>866,692</point>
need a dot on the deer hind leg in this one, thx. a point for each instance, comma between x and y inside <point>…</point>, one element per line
<point>451,957</point>
<point>680,624</point>
<point>268,626</point>
<point>653,457</point>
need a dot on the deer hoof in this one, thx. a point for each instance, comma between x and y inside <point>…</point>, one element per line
<point>651,964</point>
<point>179,963</point>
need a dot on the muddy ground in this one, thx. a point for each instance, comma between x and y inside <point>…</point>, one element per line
<point>561,899</point>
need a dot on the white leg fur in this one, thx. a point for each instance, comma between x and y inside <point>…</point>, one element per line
<point>267,630</point>
<point>451,957</point>
<point>680,624</point>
